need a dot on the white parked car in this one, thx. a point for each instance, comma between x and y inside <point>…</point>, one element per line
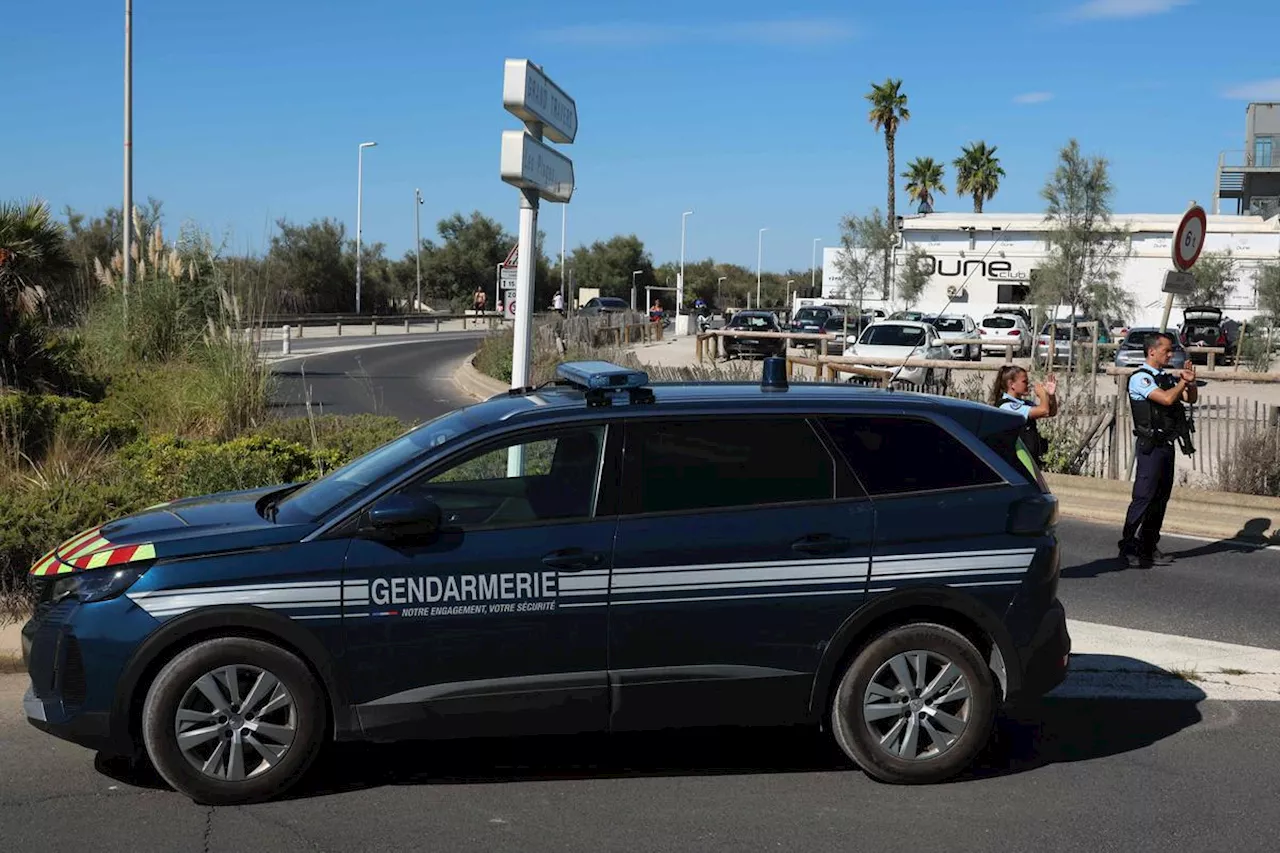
<point>902,339</point>
<point>958,327</point>
<point>1005,328</point>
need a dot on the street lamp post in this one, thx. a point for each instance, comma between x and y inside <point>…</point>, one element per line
<point>417,246</point>
<point>759,256</point>
<point>359,211</point>
<point>719,296</point>
<point>813,267</point>
<point>680,282</point>
<point>127,217</point>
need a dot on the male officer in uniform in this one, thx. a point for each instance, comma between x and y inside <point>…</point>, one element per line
<point>1156,399</point>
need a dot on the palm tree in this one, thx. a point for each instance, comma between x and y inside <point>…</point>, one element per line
<point>978,173</point>
<point>924,178</point>
<point>888,111</point>
<point>33,255</point>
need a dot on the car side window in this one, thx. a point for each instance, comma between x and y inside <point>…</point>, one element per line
<point>899,455</point>
<point>558,481</point>
<point>686,466</point>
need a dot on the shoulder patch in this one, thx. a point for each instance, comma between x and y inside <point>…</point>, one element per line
<point>1145,380</point>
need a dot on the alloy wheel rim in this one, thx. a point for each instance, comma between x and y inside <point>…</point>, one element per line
<point>917,705</point>
<point>236,722</point>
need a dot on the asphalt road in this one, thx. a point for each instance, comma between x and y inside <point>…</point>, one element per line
<point>410,379</point>
<point>1097,775</point>
<point>1070,775</point>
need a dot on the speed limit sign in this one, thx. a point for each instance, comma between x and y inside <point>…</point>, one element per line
<point>1188,240</point>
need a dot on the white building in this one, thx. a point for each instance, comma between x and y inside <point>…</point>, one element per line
<point>983,260</point>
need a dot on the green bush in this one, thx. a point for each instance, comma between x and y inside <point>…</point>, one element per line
<point>35,517</point>
<point>171,467</point>
<point>29,423</point>
<point>349,435</point>
<point>493,358</point>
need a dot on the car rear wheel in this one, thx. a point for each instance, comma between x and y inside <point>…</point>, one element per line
<point>233,720</point>
<point>915,706</point>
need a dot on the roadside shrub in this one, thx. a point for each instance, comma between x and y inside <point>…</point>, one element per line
<point>171,467</point>
<point>493,357</point>
<point>38,512</point>
<point>349,435</point>
<point>1253,468</point>
<point>30,422</point>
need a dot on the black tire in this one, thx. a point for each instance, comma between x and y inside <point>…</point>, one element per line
<point>854,735</point>
<point>180,675</point>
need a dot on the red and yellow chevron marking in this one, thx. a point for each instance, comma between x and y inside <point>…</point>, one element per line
<point>90,550</point>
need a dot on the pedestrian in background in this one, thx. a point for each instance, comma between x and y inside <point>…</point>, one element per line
<point>1156,399</point>
<point>479,299</point>
<point>1010,393</point>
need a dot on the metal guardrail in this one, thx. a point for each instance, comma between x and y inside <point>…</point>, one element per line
<point>296,320</point>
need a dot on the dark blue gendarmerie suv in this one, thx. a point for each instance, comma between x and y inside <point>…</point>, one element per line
<point>596,554</point>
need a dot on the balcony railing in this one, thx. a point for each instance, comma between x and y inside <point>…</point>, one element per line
<point>1248,160</point>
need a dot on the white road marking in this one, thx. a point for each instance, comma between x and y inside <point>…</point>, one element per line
<point>1125,663</point>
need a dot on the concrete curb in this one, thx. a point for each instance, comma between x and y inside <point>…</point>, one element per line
<point>1217,515</point>
<point>475,384</point>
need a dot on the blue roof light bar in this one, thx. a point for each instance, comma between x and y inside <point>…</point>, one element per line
<point>601,376</point>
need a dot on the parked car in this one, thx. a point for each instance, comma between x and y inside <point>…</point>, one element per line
<point>1203,326</point>
<point>911,316</point>
<point>702,554</point>
<point>902,339</point>
<point>841,327</point>
<point>1016,310</point>
<point>811,320</point>
<point>1132,351</point>
<point>1063,334</point>
<point>958,327</point>
<point>1005,328</point>
<point>603,305</point>
<point>753,321</point>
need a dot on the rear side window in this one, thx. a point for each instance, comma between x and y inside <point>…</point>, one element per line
<point>999,323</point>
<point>898,455</point>
<point>675,466</point>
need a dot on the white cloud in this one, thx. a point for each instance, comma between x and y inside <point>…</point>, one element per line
<point>1113,9</point>
<point>794,32</point>
<point>1033,97</point>
<point>1258,90</point>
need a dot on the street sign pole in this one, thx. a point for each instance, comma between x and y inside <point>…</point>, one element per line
<point>1188,243</point>
<point>539,172</point>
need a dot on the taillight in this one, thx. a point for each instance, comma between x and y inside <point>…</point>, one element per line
<point>982,331</point>
<point>1033,516</point>
<point>1222,340</point>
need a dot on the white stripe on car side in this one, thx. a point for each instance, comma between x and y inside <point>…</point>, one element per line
<point>735,580</point>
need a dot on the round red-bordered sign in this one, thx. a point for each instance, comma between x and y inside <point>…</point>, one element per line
<point>1188,240</point>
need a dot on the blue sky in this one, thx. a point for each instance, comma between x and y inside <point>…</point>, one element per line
<point>749,113</point>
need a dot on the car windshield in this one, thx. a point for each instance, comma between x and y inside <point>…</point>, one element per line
<point>751,322</point>
<point>811,315</point>
<point>891,335</point>
<point>319,497</point>
<point>999,323</point>
<point>1137,339</point>
<point>947,324</point>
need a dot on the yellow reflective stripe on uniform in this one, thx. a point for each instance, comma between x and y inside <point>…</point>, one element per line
<point>1025,458</point>
<point>144,552</point>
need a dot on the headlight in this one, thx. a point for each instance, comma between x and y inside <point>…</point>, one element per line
<point>94,585</point>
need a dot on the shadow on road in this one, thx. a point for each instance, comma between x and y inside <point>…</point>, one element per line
<point>1252,537</point>
<point>1049,731</point>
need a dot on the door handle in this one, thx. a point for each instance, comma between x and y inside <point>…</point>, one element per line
<point>572,560</point>
<point>821,544</point>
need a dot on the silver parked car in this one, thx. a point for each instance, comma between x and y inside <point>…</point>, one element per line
<point>958,327</point>
<point>1132,354</point>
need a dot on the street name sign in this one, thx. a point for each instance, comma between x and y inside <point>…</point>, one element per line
<point>531,165</point>
<point>530,95</point>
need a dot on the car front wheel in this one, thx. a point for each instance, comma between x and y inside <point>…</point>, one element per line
<point>915,706</point>
<point>233,720</point>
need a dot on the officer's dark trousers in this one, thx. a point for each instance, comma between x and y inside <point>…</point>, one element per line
<point>1152,487</point>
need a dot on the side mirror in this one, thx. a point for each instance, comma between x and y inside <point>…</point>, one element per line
<point>405,515</point>
<point>938,342</point>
